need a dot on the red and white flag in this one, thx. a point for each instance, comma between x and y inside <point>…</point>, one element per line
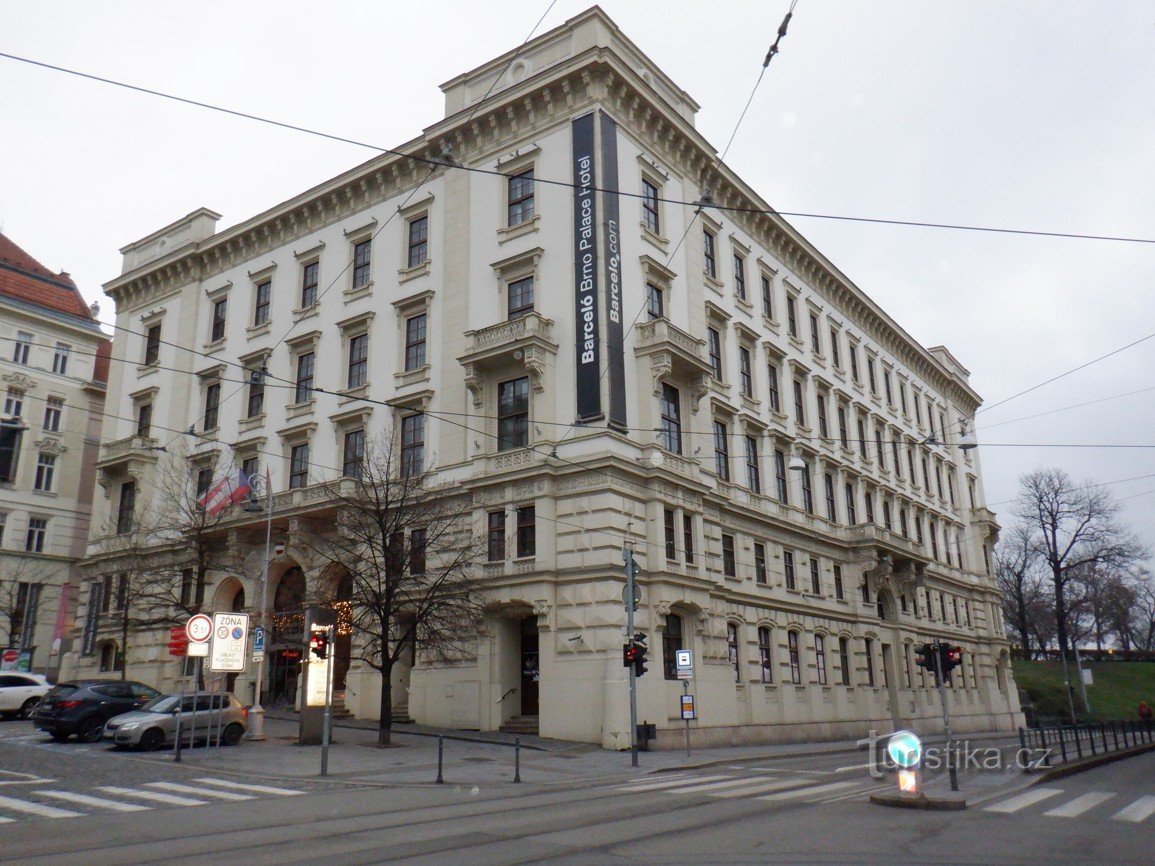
<point>228,491</point>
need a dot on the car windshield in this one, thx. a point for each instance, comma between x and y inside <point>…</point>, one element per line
<point>63,690</point>
<point>163,704</point>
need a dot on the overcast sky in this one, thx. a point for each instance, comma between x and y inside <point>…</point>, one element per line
<point>1028,115</point>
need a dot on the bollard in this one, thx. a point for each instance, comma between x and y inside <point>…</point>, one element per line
<point>1078,743</point>
<point>1091,738</point>
<point>440,756</point>
<point>517,759</point>
<point>1123,725</point>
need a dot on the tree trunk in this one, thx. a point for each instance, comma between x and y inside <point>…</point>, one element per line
<point>385,726</point>
<point>1060,611</point>
<point>123,652</point>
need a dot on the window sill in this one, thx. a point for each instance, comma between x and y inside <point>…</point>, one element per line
<point>146,370</point>
<point>713,282</point>
<point>50,494</point>
<point>302,313</point>
<point>770,324</point>
<point>214,345</point>
<point>653,237</point>
<point>296,410</point>
<point>357,292</point>
<point>752,404</point>
<point>259,330</point>
<point>411,377</point>
<point>526,227</point>
<point>348,395</point>
<point>251,423</point>
<point>744,305</point>
<point>797,343</point>
<point>406,274</point>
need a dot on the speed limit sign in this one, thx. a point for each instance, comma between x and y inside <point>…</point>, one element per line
<point>199,628</point>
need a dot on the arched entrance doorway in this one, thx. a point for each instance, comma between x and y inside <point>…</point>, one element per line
<point>284,651</point>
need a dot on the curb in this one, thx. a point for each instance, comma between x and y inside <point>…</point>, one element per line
<point>1073,767</point>
<point>918,801</point>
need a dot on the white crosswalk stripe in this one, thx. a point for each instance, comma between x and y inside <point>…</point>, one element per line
<point>761,787</point>
<point>669,783</point>
<point>37,809</point>
<point>809,791</point>
<point>1140,810</point>
<point>95,802</point>
<point>1014,804</point>
<point>1079,805</point>
<point>155,796</point>
<point>260,789</point>
<point>178,788</point>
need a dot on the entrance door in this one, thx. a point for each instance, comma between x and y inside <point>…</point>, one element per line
<point>530,673</point>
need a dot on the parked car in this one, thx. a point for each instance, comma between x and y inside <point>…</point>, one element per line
<point>206,716</point>
<point>20,693</point>
<point>82,707</point>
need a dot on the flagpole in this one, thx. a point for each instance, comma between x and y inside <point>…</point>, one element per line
<point>257,713</point>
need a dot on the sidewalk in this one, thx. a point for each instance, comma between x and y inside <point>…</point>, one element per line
<point>473,758</point>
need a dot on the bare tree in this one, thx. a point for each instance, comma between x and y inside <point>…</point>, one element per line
<point>1021,582</point>
<point>18,572</point>
<point>1072,527</point>
<point>1143,614</point>
<point>1106,601</point>
<point>409,551</point>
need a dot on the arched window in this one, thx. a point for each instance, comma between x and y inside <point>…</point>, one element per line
<point>109,658</point>
<point>732,649</point>
<point>795,657</point>
<point>671,643</point>
<point>766,662</point>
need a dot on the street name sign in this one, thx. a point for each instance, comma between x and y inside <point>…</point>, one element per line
<point>230,642</point>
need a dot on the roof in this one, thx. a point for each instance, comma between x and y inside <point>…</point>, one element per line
<point>25,279</point>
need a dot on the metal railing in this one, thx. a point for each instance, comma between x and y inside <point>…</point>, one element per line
<point>1060,744</point>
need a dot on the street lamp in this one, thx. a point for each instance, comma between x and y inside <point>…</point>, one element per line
<point>257,712</point>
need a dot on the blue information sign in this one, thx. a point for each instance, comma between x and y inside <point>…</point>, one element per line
<point>258,640</point>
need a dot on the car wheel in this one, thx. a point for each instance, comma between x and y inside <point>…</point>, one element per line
<point>232,734</point>
<point>91,730</point>
<point>59,736</point>
<point>152,739</point>
<point>28,706</point>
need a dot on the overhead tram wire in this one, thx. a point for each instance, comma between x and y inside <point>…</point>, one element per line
<point>566,183</point>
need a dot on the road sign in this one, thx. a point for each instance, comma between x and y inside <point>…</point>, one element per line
<point>177,642</point>
<point>197,650</point>
<point>258,641</point>
<point>684,664</point>
<point>199,628</point>
<point>637,596</point>
<point>688,711</point>
<point>230,642</point>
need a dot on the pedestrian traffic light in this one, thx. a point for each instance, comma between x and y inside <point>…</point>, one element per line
<point>319,643</point>
<point>629,654</point>
<point>950,657</point>
<point>640,654</point>
<point>923,657</point>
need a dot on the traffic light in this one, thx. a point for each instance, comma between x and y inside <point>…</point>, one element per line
<point>640,653</point>
<point>949,658</point>
<point>319,643</point>
<point>629,654</point>
<point>923,657</point>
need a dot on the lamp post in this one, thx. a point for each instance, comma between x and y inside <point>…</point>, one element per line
<point>257,712</point>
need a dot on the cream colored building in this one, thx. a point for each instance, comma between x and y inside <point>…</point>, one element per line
<point>653,393</point>
<point>53,363</point>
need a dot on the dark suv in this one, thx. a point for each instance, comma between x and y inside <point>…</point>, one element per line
<point>82,707</point>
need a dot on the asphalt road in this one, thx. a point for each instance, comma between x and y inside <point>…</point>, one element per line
<point>796,812</point>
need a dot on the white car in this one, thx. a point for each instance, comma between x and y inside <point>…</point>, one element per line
<point>20,693</point>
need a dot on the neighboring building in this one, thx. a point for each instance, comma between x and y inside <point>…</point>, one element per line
<point>53,367</point>
<point>703,351</point>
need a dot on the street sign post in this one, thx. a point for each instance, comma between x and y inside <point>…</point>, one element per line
<point>228,651</point>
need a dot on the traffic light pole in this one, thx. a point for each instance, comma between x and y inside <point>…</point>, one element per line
<point>327,719</point>
<point>952,770</point>
<point>628,559</point>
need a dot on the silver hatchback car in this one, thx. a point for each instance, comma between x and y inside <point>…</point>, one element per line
<point>203,716</point>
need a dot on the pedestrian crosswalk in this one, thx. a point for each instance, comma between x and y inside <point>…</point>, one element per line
<point>52,803</point>
<point>1088,804</point>
<point>763,787</point>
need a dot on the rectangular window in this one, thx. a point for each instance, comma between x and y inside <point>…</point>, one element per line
<point>670,432</point>
<point>887,388</point>
<point>788,568</point>
<point>721,451</point>
<point>765,660</point>
<point>14,403</point>
<point>53,411</point>
<point>710,263</point>
<point>910,466</point>
<point>843,433</point>
<point>671,534</point>
<point>513,414</point>
<point>417,549</point>
<point>853,352</point>
<point>760,574</point>
<point>60,358</point>
<point>851,511</point>
<point>520,300</point>
<point>839,590</point>
<point>34,538</point>
<point>220,314</point>
<point>415,335</point>
<point>815,577</point>
<point>250,466</point>
<point>732,649</point>
<point>775,396</point>
<point>671,643</point>
<point>362,263</point>
<point>299,465</point>
<point>753,472</point>
<point>950,488</point>
<point>807,492</point>
<point>714,346</point>
<point>650,217</point>
<point>412,445</point>
<point>256,401</point>
<point>729,566</point>
<point>820,658</point>
<point>211,417</point>
<point>902,527</point>
<point>23,347</point>
<point>868,500</point>
<point>902,396</point>
<point>831,506</point>
<point>144,420</point>
<point>688,538</point>
<point>739,277</point>
<point>897,462</point>
<point>655,307</point>
<point>521,190</point>
<point>791,316</point>
<point>767,299</point>
<point>495,534</point>
<point>878,449</point>
<point>526,533</point>
<point>358,361</point>
<point>815,339</point>
<point>799,404</point>
<point>353,454</point>
<point>187,585</point>
<point>418,241</point>
<point>204,481</point>
<point>152,345</point>
<point>745,374</point>
<point>264,302</point>
<point>918,408</point>
<point>844,659</point>
<point>125,507</point>
<point>870,380</point>
<point>886,515</point>
<point>304,390</point>
<point>310,275</point>
<point>835,359</point>
<point>795,660</point>
<point>823,424</point>
<point>780,477</point>
<point>45,472</point>
<point>868,647</point>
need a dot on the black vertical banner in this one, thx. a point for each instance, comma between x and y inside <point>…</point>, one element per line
<point>615,340</point>
<point>91,619</point>
<point>585,249</point>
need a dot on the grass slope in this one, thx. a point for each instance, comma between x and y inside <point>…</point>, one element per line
<point>1118,687</point>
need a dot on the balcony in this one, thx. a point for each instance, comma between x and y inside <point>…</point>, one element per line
<point>523,343</point>
<point>674,353</point>
<point>130,456</point>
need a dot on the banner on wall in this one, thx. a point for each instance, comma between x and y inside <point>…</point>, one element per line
<point>585,245</point>
<point>615,340</point>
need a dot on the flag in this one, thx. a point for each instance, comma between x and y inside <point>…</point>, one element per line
<point>228,491</point>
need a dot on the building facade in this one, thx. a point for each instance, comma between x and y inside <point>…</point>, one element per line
<point>560,300</point>
<point>53,366</point>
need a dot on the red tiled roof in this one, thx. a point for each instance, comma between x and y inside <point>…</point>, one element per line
<point>25,279</point>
